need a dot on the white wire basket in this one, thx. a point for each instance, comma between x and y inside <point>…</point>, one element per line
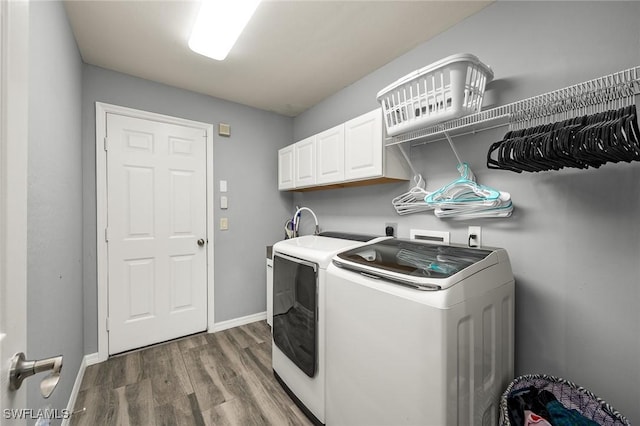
<point>449,88</point>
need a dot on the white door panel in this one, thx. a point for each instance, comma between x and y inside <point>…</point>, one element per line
<point>156,197</point>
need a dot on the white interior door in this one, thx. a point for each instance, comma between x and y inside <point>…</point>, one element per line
<point>14,29</point>
<point>156,233</point>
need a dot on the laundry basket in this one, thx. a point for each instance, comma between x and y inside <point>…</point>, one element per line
<point>447,89</point>
<point>568,394</point>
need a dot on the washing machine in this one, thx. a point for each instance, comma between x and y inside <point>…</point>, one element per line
<point>418,334</point>
<point>298,354</point>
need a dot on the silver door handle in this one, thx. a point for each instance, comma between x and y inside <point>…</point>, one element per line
<point>21,369</point>
<point>200,242</point>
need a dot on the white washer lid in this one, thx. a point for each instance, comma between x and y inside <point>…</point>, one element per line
<point>421,265</point>
<point>315,248</point>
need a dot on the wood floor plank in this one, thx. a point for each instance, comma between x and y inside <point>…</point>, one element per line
<point>121,408</point>
<point>182,411</point>
<point>217,356</point>
<point>89,377</point>
<point>236,412</point>
<point>207,382</point>
<point>224,378</point>
<point>244,336</point>
<point>101,405</point>
<point>139,398</point>
<point>126,369</point>
<point>229,350</point>
<point>279,401</point>
<point>192,341</point>
<point>261,329</point>
<point>115,372</point>
<point>275,405</point>
<point>260,355</point>
<point>165,367</point>
<point>96,375</point>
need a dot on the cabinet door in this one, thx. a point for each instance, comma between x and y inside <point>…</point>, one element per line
<point>305,165</point>
<point>285,168</point>
<point>330,155</point>
<point>363,146</point>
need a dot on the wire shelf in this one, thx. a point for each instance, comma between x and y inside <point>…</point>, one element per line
<point>601,92</point>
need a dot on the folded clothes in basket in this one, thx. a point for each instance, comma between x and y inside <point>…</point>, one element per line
<point>543,404</point>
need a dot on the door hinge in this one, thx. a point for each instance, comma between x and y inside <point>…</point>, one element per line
<point>107,323</point>
<point>106,144</point>
<point>106,235</point>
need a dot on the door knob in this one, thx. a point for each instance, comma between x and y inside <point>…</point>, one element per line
<point>200,242</point>
<point>21,369</point>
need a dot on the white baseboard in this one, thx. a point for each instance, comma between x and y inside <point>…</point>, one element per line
<point>87,360</point>
<point>93,358</point>
<point>236,322</point>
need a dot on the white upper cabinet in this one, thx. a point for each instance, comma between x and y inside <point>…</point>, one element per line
<point>330,155</point>
<point>363,146</point>
<point>352,153</point>
<point>305,163</point>
<point>285,168</point>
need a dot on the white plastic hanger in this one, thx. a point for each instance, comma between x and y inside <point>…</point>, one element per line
<point>413,201</point>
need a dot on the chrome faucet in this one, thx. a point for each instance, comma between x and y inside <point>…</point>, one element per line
<point>296,220</point>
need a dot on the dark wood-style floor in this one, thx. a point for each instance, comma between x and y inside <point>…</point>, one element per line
<point>223,378</point>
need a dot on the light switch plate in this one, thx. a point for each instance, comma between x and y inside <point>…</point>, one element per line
<point>223,186</point>
<point>224,129</point>
<point>224,223</point>
<point>224,202</point>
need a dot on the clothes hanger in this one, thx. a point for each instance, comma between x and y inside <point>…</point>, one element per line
<point>462,189</point>
<point>412,201</point>
<point>464,198</point>
<point>503,208</point>
<point>497,212</point>
<point>625,136</point>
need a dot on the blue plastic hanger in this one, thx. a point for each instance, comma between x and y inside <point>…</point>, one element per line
<point>462,190</point>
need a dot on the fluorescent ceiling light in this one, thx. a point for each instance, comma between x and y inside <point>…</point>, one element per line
<point>219,25</point>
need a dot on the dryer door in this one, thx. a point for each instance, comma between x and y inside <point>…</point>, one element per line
<point>295,301</point>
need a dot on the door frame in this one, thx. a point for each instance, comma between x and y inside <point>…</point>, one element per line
<point>102,109</point>
<point>14,146</point>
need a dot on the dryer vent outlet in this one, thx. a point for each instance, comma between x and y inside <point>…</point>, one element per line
<point>391,229</point>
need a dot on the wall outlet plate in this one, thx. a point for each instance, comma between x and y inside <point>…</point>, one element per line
<point>474,236</point>
<point>394,228</point>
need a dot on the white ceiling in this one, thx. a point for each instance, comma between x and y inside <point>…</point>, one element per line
<point>292,54</point>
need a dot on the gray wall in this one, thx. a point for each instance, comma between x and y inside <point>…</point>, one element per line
<point>247,160</point>
<point>574,239</point>
<point>54,287</point>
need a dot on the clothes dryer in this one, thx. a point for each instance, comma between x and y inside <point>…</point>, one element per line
<point>299,269</point>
